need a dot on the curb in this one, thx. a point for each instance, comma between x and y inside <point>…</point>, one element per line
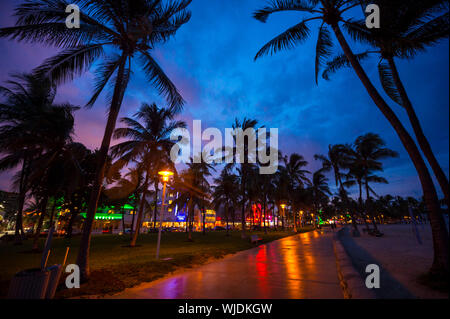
<point>351,282</point>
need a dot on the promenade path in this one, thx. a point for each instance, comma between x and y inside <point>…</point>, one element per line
<point>297,267</point>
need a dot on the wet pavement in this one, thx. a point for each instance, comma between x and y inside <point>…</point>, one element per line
<point>297,267</point>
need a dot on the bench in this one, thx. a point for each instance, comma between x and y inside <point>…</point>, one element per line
<point>254,239</point>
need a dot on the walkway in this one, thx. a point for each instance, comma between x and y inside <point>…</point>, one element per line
<point>297,267</point>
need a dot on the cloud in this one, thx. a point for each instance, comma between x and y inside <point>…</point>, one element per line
<point>211,62</point>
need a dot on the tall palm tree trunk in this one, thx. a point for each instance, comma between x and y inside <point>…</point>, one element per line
<point>40,222</point>
<point>132,223</point>
<point>233,217</point>
<point>361,206</point>
<point>19,217</point>
<point>440,235</point>
<point>83,253</point>
<point>369,206</point>
<point>227,216</point>
<point>140,211</point>
<point>265,216</point>
<point>123,219</point>
<point>355,232</point>
<point>52,214</point>
<point>73,215</point>
<point>156,204</point>
<point>204,220</point>
<point>243,217</point>
<point>295,223</point>
<point>418,131</point>
<point>189,221</point>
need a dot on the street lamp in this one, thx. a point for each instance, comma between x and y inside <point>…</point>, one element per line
<point>165,177</point>
<point>301,218</point>
<point>283,206</point>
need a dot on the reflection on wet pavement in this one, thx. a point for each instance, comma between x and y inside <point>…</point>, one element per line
<point>296,267</point>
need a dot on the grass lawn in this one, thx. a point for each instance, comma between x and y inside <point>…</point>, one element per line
<point>115,267</point>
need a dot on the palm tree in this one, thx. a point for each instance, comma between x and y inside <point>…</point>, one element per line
<point>266,187</point>
<point>331,13</point>
<point>294,165</point>
<point>281,194</point>
<point>131,29</point>
<point>201,168</point>
<point>148,145</point>
<point>191,194</point>
<point>320,190</point>
<point>338,159</point>
<point>33,127</point>
<point>226,194</point>
<point>370,150</point>
<point>57,174</point>
<point>246,164</point>
<point>408,28</point>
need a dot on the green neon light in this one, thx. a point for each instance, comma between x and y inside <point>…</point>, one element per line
<point>105,216</point>
<point>321,222</point>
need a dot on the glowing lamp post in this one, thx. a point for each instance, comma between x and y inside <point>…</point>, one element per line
<point>301,218</point>
<point>283,206</point>
<point>165,177</point>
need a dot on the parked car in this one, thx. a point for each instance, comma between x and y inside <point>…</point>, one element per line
<point>219,228</point>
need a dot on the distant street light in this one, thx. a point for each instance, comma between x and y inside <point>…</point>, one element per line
<point>165,177</point>
<point>283,206</point>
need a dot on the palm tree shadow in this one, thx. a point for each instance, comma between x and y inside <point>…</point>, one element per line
<point>390,288</point>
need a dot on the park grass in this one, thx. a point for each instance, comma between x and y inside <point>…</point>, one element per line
<point>114,266</point>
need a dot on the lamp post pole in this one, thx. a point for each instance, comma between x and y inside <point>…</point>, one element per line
<point>295,221</point>
<point>165,178</point>
<point>160,220</point>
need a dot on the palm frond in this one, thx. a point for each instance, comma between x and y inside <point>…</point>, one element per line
<point>427,34</point>
<point>388,84</point>
<point>286,40</point>
<point>69,63</point>
<point>324,48</point>
<point>103,74</point>
<point>283,5</point>
<point>339,62</point>
<point>162,82</point>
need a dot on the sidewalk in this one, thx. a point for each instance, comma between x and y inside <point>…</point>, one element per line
<point>297,267</point>
<point>400,257</point>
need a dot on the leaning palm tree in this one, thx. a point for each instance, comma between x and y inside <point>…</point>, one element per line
<point>116,32</point>
<point>331,13</point>
<point>148,145</point>
<point>408,27</point>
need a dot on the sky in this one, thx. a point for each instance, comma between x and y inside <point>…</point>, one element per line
<point>211,62</point>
